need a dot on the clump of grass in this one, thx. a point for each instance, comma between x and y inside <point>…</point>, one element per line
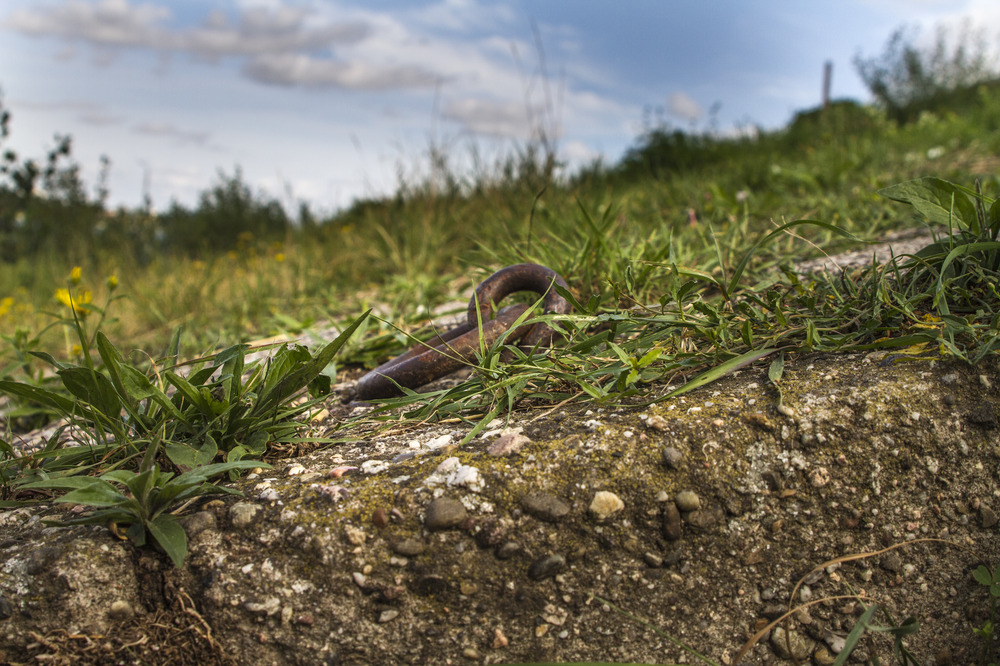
<point>127,415</point>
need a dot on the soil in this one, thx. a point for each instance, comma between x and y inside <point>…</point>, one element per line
<point>576,533</point>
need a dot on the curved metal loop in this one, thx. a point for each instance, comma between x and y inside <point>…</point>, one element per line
<point>451,350</point>
<point>521,277</point>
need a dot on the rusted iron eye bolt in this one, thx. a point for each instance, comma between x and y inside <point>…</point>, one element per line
<point>447,352</point>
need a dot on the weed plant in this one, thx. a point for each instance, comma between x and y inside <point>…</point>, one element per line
<point>681,266</point>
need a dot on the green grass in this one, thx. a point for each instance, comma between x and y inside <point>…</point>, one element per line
<point>678,260</point>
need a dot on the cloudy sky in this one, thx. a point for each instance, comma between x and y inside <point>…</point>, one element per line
<point>328,100</point>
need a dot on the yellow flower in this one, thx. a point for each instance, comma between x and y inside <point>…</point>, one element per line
<point>112,283</point>
<point>5,305</point>
<point>75,275</point>
<point>77,350</point>
<point>77,302</point>
<point>280,257</point>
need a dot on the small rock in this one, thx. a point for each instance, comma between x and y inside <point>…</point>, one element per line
<point>671,522</point>
<point>380,519</point>
<point>445,513</point>
<point>409,547</point>
<point>892,562</point>
<point>508,550</point>
<point>468,588</point>
<point>704,518</point>
<point>687,500</point>
<point>987,516</point>
<point>671,457</point>
<point>546,567</point>
<point>431,584</point>
<point>795,646</point>
<point>387,616</point>
<point>269,606</point>
<point>819,477</point>
<point>197,523</point>
<point>121,610</point>
<point>499,640</point>
<point>652,560</point>
<point>470,653</point>
<point>374,466</point>
<point>822,657</point>
<point>355,535</point>
<point>508,444</point>
<point>656,422</point>
<point>545,506</point>
<point>605,504</point>
<point>241,514</point>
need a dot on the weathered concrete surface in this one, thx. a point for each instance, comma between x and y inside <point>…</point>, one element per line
<point>698,515</point>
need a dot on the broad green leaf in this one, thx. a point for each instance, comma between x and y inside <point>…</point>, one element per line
<point>170,536</point>
<point>299,378</point>
<point>42,396</point>
<point>97,493</point>
<point>49,359</point>
<point>982,575</point>
<point>187,456</point>
<point>776,369</point>
<point>94,388</point>
<point>941,202</point>
<point>112,362</point>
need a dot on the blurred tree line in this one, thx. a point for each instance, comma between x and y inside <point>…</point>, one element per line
<point>954,72</point>
<point>46,209</point>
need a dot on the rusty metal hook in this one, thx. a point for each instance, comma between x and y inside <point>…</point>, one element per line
<point>447,352</point>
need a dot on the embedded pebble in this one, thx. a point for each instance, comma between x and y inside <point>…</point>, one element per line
<point>355,535</point>
<point>605,504</point>
<point>792,646</point>
<point>121,610</point>
<point>387,616</point>
<point>444,513</point>
<point>987,516</point>
<point>508,550</point>
<point>656,422</point>
<point>687,500</point>
<point>409,547</point>
<point>545,506</point>
<point>546,567</point>
<point>671,457</point>
<point>269,606</point>
<point>819,477</point>
<point>508,444</point>
<point>671,522</point>
<point>374,466</point>
<point>704,518</point>
<point>241,514</point>
<point>197,523</point>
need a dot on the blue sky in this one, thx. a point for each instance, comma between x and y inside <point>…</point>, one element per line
<point>324,101</point>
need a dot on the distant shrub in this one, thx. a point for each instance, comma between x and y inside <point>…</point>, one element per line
<point>907,79</point>
<point>844,117</point>
<point>228,216</point>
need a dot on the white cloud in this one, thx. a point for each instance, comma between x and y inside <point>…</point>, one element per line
<point>298,69</point>
<point>169,131</point>
<point>108,22</point>
<point>496,118</point>
<point>685,107</point>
